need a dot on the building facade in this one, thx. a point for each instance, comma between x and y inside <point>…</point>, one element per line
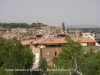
<point>51,47</point>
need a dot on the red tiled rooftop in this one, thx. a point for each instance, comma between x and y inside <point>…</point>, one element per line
<point>51,40</point>
<point>62,40</point>
<point>56,40</point>
<point>83,39</point>
<point>26,42</point>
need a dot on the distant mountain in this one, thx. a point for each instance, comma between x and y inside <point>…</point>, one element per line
<point>80,26</point>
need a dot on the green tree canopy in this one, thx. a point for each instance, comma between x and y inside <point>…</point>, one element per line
<point>73,58</point>
<point>69,56</point>
<point>13,55</point>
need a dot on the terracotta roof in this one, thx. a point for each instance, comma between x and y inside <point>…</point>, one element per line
<point>26,42</point>
<point>61,40</point>
<point>51,40</point>
<point>56,40</point>
<point>83,40</point>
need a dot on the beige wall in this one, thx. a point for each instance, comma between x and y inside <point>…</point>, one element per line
<point>58,50</point>
<point>52,53</point>
<point>87,48</point>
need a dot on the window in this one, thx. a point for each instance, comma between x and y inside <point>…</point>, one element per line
<point>99,42</point>
<point>47,53</point>
<point>55,53</point>
<point>47,59</point>
<point>88,44</point>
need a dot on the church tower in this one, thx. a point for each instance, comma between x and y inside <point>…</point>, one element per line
<point>63,27</point>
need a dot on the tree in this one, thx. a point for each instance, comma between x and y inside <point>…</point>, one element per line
<point>42,68</point>
<point>90,63</point>
<point>73,58</point>
<point>69,56</point>
<point>4,72</point>
<point>15,56</point>
<point>43,65</point>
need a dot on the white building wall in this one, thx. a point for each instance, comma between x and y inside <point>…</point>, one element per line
<point>84,44</point>
<point>36,52</point>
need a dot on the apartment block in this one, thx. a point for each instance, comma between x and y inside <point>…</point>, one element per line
<point>51,47</point>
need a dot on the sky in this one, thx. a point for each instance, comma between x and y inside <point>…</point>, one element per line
<point>51,12</point>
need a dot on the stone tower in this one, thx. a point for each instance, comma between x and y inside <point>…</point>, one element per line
<point>63,27</point>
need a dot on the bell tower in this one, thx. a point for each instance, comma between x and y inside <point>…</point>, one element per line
<point>63,27</point>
